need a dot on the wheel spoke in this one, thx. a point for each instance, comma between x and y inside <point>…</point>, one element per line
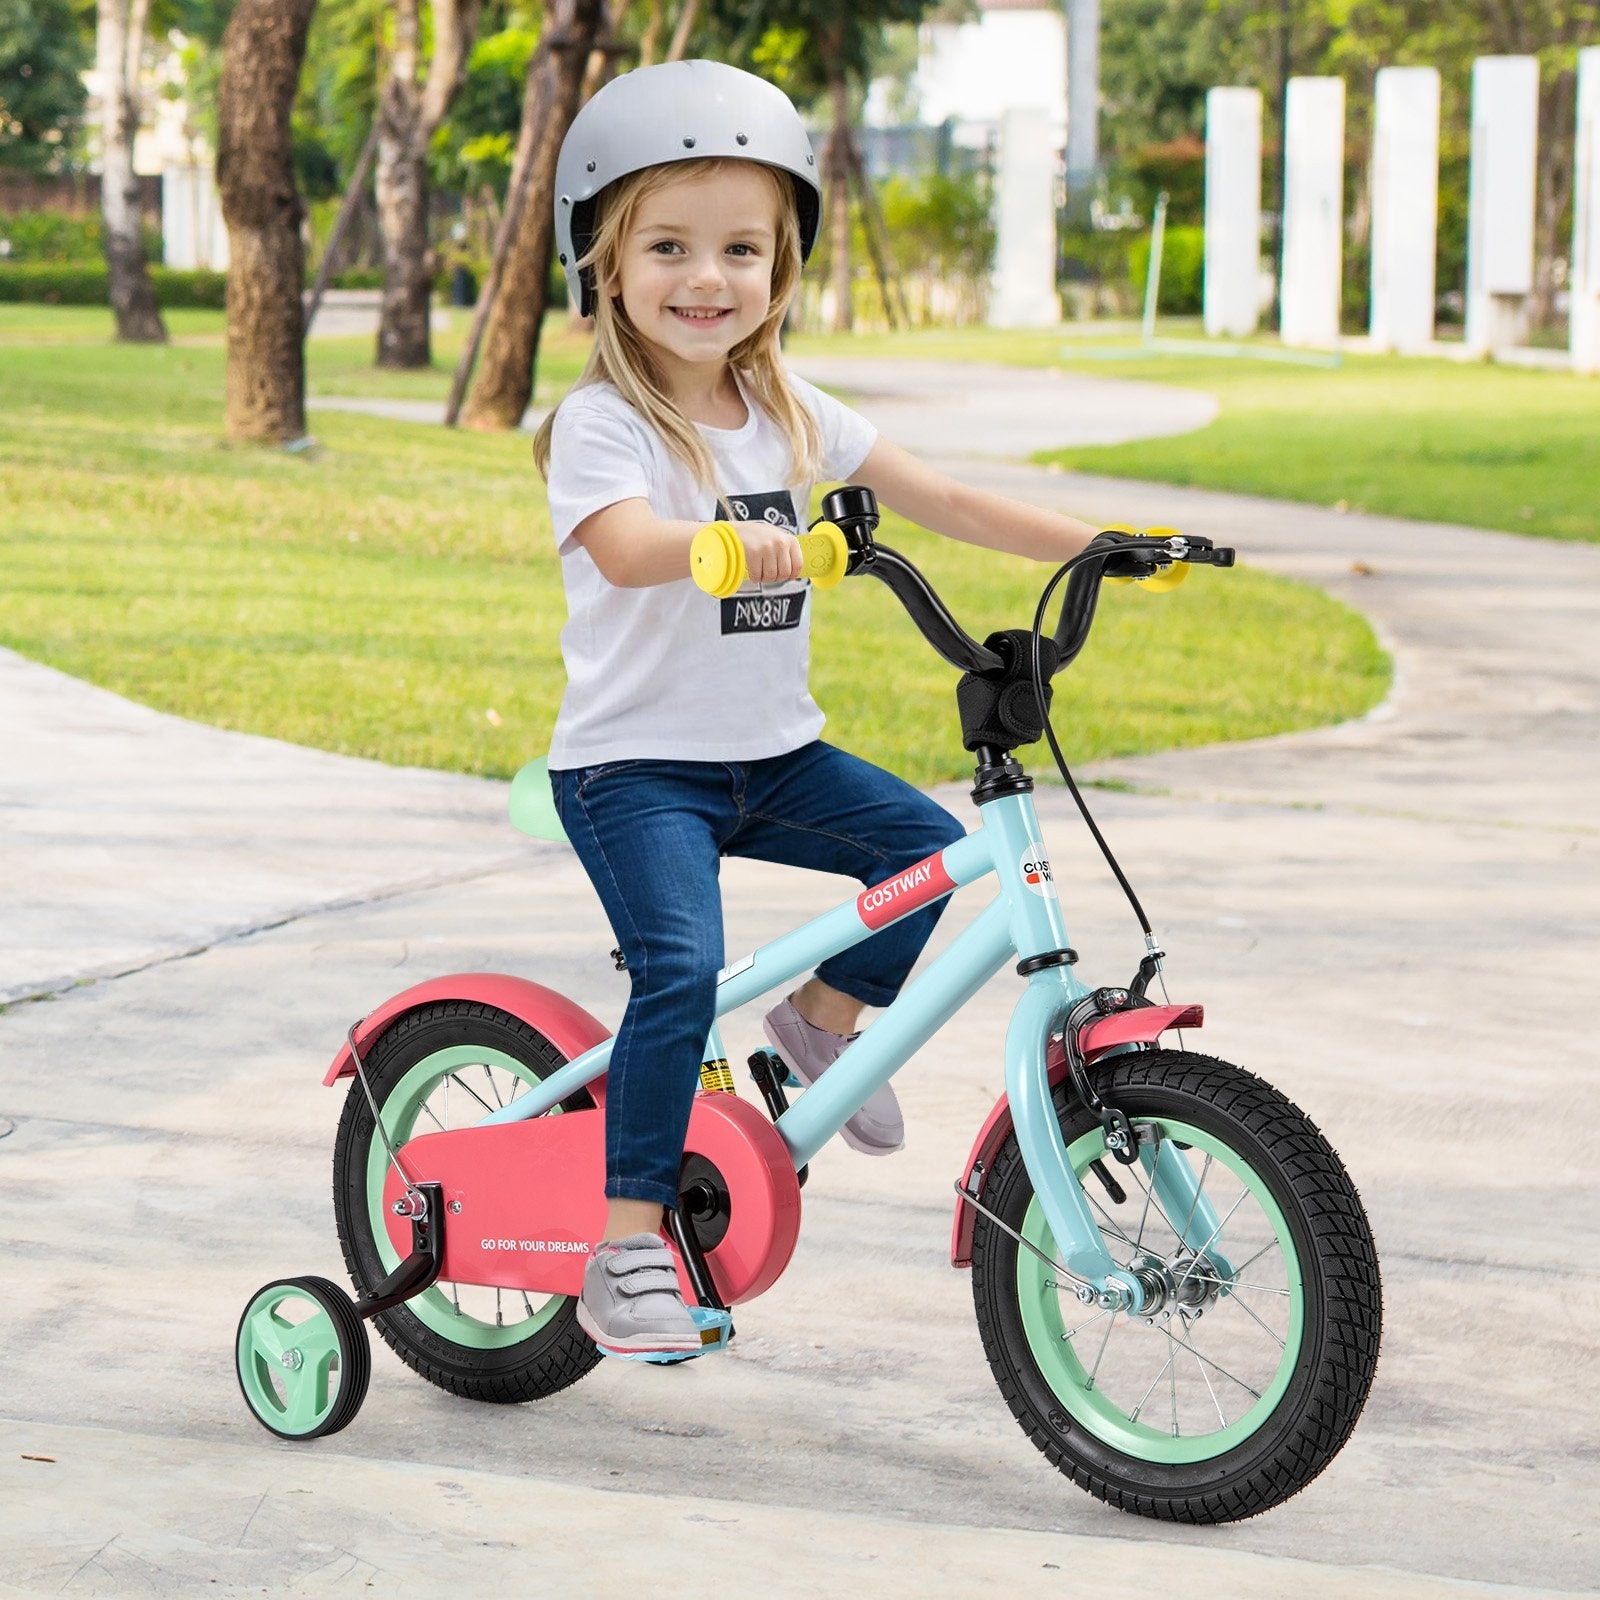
<point>1149,1195</point>
<point>1243,1265</point>
<point>1260,1324</point>
<point>1206,1378</point>
<point>1102,1355</point>
<point>1133,1416</point>
<point>1235,1283</point>
<point>1205,1172</point>
<point>1111,1229</point>
<point>1089,1324</point>
<point>1255,1394</point>
<point>1212,1240</point>
<point>494,1088</point>
<point>467,1089</point>
<point>1150,1200</point>
<point>1172,1378</point>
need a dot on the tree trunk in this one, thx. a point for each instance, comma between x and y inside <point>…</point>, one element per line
<point>408,115</point>
<point>838,162</point>
<point>119,39</point>
<point>680,34</point>
<point>262,50</point>
<point>514,298</point>
<point>341,224</point>
<point>877,233</point>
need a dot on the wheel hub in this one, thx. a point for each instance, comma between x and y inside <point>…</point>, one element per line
<point>1182,1283</point>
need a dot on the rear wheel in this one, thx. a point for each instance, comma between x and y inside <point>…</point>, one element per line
<point>445,1067</point>
<point>1246,1369</point>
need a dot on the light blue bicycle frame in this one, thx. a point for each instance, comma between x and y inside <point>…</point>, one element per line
<point>1023,920</point>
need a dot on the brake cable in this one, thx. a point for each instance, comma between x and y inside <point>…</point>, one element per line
<point>1152,944</point>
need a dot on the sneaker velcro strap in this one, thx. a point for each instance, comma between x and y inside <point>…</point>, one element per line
<point>636,1272</point>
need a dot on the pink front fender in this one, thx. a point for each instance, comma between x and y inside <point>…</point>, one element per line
<point>566,1025</point>
<point>1140,1025</point>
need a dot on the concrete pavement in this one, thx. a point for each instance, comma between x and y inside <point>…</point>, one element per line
<point>1389,920</point>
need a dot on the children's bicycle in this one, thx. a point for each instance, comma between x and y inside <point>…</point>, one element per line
<point>1173,1275</point>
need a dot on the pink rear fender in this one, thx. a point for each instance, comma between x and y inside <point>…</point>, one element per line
<point>1141,1025</point>
<point>564,1023</point>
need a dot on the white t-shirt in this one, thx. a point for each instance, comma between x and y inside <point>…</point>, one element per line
<point>668,671</point>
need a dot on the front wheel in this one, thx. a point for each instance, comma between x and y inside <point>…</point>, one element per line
<point>1245,1371</point>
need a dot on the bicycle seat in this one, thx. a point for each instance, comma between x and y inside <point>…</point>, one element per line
<point>533,810</point>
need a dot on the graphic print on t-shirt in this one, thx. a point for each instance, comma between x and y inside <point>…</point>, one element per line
<point>755,610</point>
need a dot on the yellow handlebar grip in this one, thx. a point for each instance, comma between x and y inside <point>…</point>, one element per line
<point>825,554</point>
<point>1165,580</point>
<point>716,559</point>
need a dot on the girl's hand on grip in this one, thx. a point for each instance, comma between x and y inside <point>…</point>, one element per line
<point>772,554</point>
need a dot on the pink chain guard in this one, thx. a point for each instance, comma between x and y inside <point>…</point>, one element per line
<point>525,1201</point>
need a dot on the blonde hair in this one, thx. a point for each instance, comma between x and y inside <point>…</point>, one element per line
<point>620,357</point>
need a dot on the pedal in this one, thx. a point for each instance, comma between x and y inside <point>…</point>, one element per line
<point>770,1063</point>
<point>716,1328</point>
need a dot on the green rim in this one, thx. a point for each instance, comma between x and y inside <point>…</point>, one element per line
<point>437,1308</point>
<point>1041,1304</point>
<point>297,1396</point>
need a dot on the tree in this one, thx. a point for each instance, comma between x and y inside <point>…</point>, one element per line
<point>408,117</point>
<point>42,96</point>
<point>514,299</point>
<point>823,47</point>
<point>119,48</point>
<point>262,51</point>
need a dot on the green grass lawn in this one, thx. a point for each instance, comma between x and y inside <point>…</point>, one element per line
<point>394,593</point>
<point>1489,446</point>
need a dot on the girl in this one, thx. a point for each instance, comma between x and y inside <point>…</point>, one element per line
<point>686,203</point>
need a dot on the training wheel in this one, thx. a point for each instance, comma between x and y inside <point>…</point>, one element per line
<point>302,1358</point>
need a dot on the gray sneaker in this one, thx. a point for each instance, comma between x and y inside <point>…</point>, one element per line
<point>877,1129</point>
<point>631,1303</point>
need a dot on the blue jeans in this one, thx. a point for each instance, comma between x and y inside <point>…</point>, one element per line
<point>650,834</point>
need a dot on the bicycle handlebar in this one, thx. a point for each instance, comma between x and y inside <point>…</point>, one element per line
<point>1116,553</point>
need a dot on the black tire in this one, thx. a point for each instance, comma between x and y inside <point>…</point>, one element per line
<point>271,1403</point>
<point>441,1333</point>
<point>1312,1369</point>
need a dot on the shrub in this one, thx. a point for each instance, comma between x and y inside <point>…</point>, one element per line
<point>84,284</point>
<point>63,236</point>
<point>1183,260</point>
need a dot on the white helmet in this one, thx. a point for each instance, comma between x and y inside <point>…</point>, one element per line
<point>679,111</point>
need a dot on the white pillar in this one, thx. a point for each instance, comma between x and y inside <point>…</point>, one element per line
<point>1232,294</point>
<point>1405,207</point>
<point>192,230</point>
<point>1313,213</point>
<point>1585,277</point>
<point>1083,102</point>
<point>1023,292</point>
<point>1505,125</point>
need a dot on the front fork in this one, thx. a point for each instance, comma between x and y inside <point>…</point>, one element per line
<point>1078,1238</point>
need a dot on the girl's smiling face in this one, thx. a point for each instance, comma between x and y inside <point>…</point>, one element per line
<point>695,274</point>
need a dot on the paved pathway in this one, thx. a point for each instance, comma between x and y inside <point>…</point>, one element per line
<point>1390,919</point>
